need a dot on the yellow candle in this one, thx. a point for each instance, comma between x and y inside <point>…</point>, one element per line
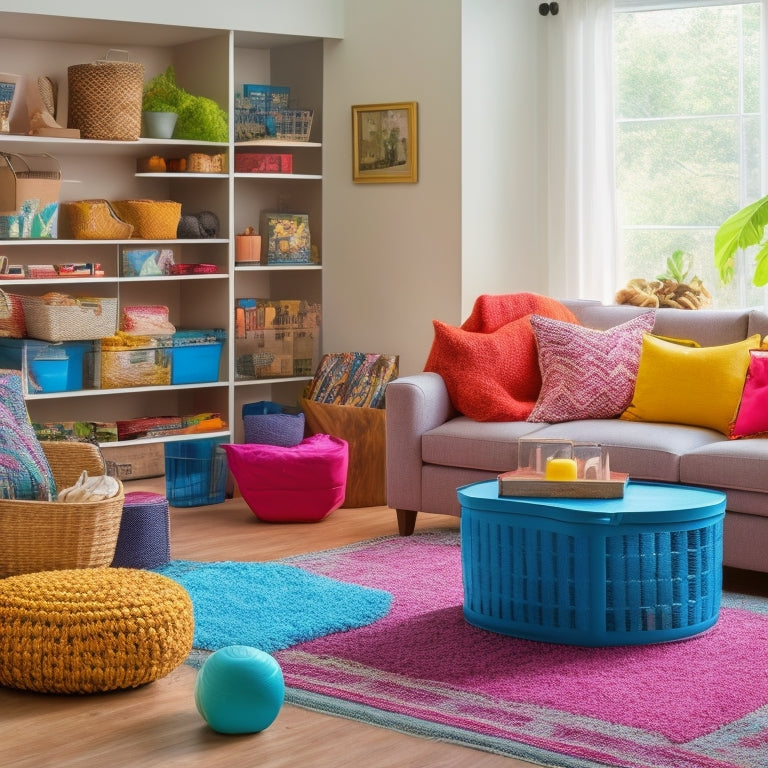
<point>560,469</point>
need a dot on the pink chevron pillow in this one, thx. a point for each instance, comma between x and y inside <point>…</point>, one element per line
<point>585,373</point>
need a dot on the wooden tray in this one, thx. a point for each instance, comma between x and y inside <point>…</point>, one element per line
<point>522,483</point>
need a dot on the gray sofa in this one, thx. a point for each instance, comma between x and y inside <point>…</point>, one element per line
<point>432,449</point>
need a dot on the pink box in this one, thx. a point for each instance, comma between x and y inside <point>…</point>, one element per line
<point>261,162</point>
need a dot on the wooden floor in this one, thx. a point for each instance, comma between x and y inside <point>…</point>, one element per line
<point>158,724</point>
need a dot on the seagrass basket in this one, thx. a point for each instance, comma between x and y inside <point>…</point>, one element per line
<point>105,99</point>
<point>82,320</point>
<point>93,220</point>
<point>50,535</point>
<point>151,219</point>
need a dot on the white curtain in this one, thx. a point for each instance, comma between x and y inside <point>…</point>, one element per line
<point>582,240</point>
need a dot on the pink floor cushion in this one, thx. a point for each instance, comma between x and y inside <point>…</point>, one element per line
<point>296,484</point>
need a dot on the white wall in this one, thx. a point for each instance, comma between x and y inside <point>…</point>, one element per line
<point>501,165</point>
<point>323,18</point>
<point>392,251</point>
<point>398,256</point>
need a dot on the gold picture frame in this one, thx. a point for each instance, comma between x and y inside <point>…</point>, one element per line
<point>385,146</point>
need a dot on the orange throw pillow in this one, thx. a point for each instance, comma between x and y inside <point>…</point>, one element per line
<point>493,374</point>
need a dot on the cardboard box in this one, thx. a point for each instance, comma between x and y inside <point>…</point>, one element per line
<point>273,314</point>
<point>134,462</point>
<point>263,162</point>
<point>285,238</point>
<point>276,354</point>
<point>29,196</point>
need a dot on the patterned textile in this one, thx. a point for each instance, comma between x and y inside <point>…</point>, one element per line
<point>24,469</point>
<point>587,374</point>
<point>489,364</point>
<point>353,378</point>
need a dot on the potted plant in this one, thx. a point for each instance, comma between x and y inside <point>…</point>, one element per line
<point>743,229</point>
<point>197,118</point>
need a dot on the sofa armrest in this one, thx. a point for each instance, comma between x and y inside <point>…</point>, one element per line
<point>415,404</point>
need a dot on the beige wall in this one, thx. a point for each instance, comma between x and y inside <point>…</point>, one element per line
<point>398,256</point>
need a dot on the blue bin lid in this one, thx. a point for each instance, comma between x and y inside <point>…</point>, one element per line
<point>642,503</point>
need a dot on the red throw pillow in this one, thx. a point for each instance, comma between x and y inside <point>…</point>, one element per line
<point>494,376</point>
<point>752,416</point>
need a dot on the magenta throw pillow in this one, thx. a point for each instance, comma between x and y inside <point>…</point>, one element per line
<point>295,484</point>
<point>752,416</point>
<point>586,373</point>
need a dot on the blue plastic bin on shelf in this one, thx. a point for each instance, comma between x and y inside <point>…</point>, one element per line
<point>196,356</point>
<point>645,568</point>
<point>195,473</point>
<point>47,366</point>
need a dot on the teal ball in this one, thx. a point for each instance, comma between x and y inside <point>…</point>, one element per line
<point>239,689</point>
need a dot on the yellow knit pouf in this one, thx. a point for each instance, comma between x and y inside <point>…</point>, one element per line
<point>91,629</point>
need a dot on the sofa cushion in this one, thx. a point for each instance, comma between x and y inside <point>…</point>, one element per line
<point>493,374</point>
<point>644,450</point>
<point>462,442</point>
<point>728,464</point>
<point>586,373</point>
<point>688,385</point>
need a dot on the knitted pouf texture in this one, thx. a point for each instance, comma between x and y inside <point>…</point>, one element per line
<point>92,629</point>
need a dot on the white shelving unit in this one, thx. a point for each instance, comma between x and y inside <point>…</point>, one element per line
<point>207,63</point>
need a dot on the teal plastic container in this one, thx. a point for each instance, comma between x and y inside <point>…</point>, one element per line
<point>646,568</point>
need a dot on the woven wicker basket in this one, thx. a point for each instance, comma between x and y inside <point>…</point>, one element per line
<point>93,220</point>
<point>105,99</point>
<point>12,323</point>
<point>85,321</point>
<point>151,219</point>
<point>49,535</point>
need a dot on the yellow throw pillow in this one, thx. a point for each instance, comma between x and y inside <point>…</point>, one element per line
<point>700,386</point>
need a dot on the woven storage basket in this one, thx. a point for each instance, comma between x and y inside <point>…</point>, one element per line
<point>12,325</point>
<point>105,99</point>
<point>51,535</point>
<point>151,219</point>
<point>88,319</point>
<point>93,220</point>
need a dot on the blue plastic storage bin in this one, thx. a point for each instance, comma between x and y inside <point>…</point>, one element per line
<point>47,366</point>
<point>593,572</point>
<point>196,356</point>
<point>195,473</point>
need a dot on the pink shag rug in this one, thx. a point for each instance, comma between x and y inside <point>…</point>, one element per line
<point>422,669</point>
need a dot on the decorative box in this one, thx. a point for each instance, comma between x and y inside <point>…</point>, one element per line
<point>263,162</point>
<point>29,196</point>
<point>277,354</point>
<point>285,238</point>
<point>135,361</point>
<point>272,314</point>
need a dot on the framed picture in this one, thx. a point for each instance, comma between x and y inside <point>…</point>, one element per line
<point>385,143</point>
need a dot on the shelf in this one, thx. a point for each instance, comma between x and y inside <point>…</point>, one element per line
<point>122,390</point>
<point>276,267</point>
<point>167,439</point>
<point>280,176</point>
<point>291,379</point>
<point>278,143</point>
<point>184,175</point>
<point>50,242</point>
<point>214,63</point>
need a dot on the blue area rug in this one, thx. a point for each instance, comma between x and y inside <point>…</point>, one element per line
<point>270,606</point>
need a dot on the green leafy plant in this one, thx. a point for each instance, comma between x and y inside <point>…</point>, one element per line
<point>743,230</point>
<point>679,264</point>
<point>200,118</point>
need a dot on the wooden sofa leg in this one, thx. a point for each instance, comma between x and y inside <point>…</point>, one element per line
<point>406,521</point>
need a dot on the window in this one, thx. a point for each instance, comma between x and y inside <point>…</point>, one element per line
<point>688,137</point>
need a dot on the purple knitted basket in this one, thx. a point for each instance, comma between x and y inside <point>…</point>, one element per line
<point>284,429</point>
